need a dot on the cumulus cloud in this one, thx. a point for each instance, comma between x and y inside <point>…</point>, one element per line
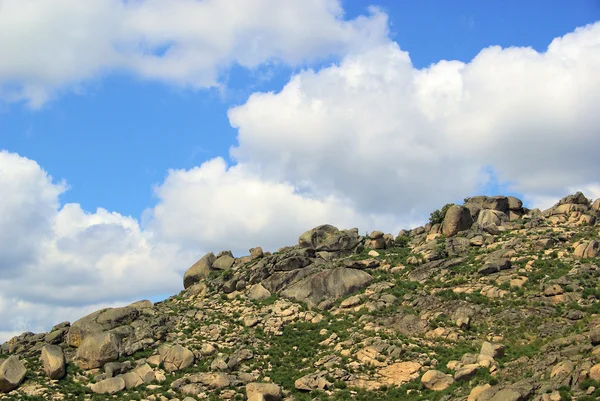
<point>51,45</point>
<point>216,207</point>
<point>57,263</point>
<point>393,138</point>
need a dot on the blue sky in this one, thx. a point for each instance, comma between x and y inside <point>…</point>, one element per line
<point>117,137</point>
<point>136,136</point>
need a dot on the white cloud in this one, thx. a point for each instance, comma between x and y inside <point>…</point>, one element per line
<point>57,263</point>
<point>394,138</point>
<point>47,46</point>
<point>215,207</point>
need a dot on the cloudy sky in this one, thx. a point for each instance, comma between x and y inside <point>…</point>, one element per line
<point>137,135</point>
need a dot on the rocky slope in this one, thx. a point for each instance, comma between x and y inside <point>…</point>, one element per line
<point>490,301</point>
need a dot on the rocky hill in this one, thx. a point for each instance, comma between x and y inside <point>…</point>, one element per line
<point>488,302</point>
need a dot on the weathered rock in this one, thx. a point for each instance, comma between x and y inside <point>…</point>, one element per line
<point>589,249</point>
<point>132,380</point>
<point>595,336</point>
<point>491,217</point>
<point>96,350</point>
<point>109,386</point>
<point>53,360</point>
<point>177,358</point>
<point>199,270</point>
<point>314,381</point>
<point>595,372</point>
<point>145,372</point>
<point>514,203</point>
<point>399,373</point>
<point>498,203</point>
<point>436,380</point>
<point>223,262</point>
<point>256,253</point>
<point>333,284</point>
<point>116,368</point>
<point>552,290</point>
<point>492,350</point>
<point>458,218</point>
<point>495,264</point>
<point>12,373</point>
<point>258,293</point>
<point>328,238</point>
<point>263,392</point>
<point>474,394</point>
<point>104,320</point>
<point>466,372</point>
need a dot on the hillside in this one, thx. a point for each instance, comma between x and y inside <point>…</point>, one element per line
<point>488,302</point>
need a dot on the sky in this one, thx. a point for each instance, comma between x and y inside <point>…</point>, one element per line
<point>137,136</point>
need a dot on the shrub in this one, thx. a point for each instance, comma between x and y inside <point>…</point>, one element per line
<point>437,217</point>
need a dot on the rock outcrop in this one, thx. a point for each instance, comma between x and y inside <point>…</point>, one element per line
<point>491,301</point>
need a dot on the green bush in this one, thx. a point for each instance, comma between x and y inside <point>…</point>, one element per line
<point>437,217</point>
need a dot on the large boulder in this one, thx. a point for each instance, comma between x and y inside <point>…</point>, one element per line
<point>327,284</point>
<point>263,392</point>
<point>491,217</point>
<point>223,261</point>
<point>514,204</point>
<point>577,198</point>
<point>589,249</point>
<point>199,270</point>
<point>176,358</point>
<point>436,380</point>
<point>53,360</point>
<point>96,350</point>
<point>103,320</point>
<point>328,238</point>
<point>458,218</point>
<point>498,203</point>
<point>12,373</point>
<point>109,386</point>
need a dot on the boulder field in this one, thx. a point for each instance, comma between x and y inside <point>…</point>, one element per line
<point>489,301</point>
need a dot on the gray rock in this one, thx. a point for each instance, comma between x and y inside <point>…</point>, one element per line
<point>199,270</point>
<point>99,321</point>
<point>12,373</point>
<point>333,284</point>
<point>53,360</point>
<point>256,253</point>
<point>499,203</point>
<point>258,293</point>
<point>96,350</point>
<point>177,358</point>
<point>514,204</point>
<point>493,350</point>
<point>493,217</point>
<point>458,218</point>
<point>109,386</point>
<point>263,391</point>
<point>328,238</point>
<point>223,262</point>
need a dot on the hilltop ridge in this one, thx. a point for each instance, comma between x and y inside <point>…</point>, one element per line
<point>488,301</point>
